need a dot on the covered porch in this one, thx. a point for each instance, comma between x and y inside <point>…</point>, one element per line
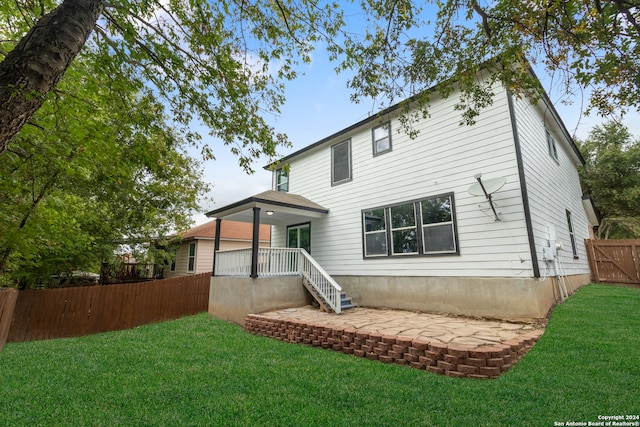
<point>260,264</point>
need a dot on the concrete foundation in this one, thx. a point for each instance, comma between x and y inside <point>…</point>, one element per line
<point>232,298</point>
<point>496,297</point>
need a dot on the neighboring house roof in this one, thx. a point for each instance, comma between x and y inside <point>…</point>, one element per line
<point>229,230</point>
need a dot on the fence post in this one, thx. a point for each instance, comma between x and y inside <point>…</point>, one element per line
<point>8,300</point>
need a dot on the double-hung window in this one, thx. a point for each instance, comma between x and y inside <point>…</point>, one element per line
<point>404,235</point>
<point>438,232</point>
<point>572,237</point>
<point>191,263</point>
<point>341,162</point>
<point>282,180</point>
<point>552,146</point>
<point>420,227</point>
<point>381,139</point>
<point>375,232</point>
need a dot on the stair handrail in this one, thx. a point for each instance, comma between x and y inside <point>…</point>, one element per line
<point>321,281</point>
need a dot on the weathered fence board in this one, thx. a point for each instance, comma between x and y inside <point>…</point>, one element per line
<point>614,261</point>
<point>8,298</point>
<point>69,312</point>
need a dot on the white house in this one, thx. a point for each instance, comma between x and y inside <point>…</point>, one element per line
<point>402,222</point>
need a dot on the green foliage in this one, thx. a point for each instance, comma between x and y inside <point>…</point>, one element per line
<point>99,162</point>
<point>611,176</point>
<point>104,157</point>
<point>202,371</point>
<point>408,47</point>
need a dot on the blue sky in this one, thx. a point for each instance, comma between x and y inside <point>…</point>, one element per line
<point>318,105</point>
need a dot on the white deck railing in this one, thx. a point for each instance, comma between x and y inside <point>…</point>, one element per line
<point>280,262</point>
<point>321,281</point>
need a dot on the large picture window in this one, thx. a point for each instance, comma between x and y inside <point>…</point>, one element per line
<point>420,227</point>
<point>381,139</point>
<point>341,162</point>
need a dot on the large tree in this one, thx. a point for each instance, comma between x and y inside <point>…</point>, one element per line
<point>612,176</point>
<point>98,162</point>
<point>409,46</point>
<point>225,62</point>
<point>220,63</point>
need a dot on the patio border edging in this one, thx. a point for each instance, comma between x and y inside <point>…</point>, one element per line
<point>438,358</point>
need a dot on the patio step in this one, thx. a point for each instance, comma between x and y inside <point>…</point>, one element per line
<point>345,302</point>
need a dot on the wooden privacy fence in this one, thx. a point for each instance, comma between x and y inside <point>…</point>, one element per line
<point>614,261</point>
<point>69,312</point>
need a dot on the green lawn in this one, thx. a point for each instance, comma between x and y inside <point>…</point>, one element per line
<point>202,371</point>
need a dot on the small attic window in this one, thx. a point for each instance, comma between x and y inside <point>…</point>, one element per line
<point>552,145</point>
<point>282,180</point>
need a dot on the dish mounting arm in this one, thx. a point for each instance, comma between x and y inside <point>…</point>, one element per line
<point>487,195</point>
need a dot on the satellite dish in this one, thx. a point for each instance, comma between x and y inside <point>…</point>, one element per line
<point>487,188</point>
<point>490,186</point>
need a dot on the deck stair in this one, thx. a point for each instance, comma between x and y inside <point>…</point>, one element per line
<point>273,262</point>
<point>345,301</point>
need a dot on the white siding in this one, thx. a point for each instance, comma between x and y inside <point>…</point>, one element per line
<point>553,187</point>
<point>443,158</point>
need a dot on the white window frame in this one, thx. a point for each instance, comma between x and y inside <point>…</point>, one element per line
<point>191,259</point>
<point>333,163</point>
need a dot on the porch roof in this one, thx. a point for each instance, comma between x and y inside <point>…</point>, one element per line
<point>276,207</point>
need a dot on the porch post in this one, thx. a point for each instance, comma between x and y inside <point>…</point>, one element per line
<point>216,244</point>
<point>254,242</point>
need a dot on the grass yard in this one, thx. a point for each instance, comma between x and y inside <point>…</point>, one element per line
<point>202,371</point>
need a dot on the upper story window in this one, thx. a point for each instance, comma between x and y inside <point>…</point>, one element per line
<point>382,139</point>
<point>191,263</point>
<point>282,180</point>
<point>552,145</point>
<point>341,162</point>
<point>423,227</point>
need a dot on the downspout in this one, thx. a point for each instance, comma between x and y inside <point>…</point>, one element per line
<point>254,242</point>
<point>523,188</point>
<point>216,245</point>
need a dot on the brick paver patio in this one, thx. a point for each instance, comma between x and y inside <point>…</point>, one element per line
<point>449,345</point>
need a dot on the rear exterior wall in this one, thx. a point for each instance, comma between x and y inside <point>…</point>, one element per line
<point>443,158</point>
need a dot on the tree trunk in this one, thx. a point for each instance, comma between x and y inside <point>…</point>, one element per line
<point>39,61</point>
